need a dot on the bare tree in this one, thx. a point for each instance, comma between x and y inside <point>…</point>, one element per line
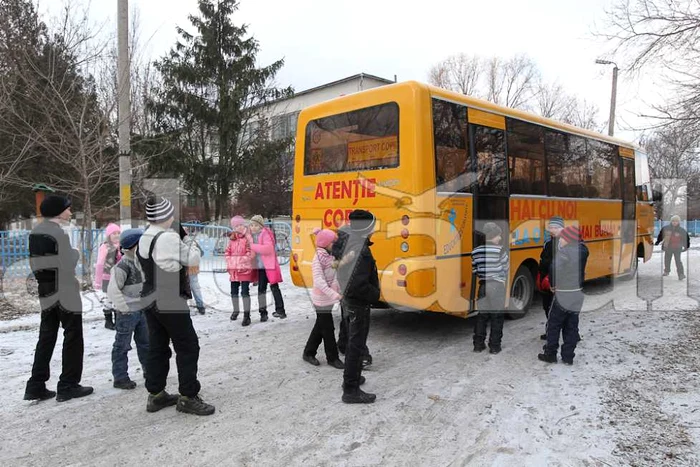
<point>551,101</point>
<point>674,156</point>
<point>583,114</point>
<point>511,82</point>
<point>665,33</point>
<point>51,105</point>
<point>459,73</point>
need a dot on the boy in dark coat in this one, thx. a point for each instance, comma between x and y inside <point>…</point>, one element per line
<point>359,285</point>
<point>675,241</point>
<point>566,275</point>
<point>337,252</point>
<point>53,263</point>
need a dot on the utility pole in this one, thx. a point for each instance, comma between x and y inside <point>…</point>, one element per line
<point>124,114</point>
<point>613,97</point>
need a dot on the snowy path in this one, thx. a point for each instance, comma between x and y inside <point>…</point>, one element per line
<point>632,397</point>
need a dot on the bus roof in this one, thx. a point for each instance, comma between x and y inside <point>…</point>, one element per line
<point>477,104</point>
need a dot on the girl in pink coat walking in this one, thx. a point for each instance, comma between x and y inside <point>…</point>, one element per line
<point>108,255</point>
<point>239,262</point>
<point>268,266</point>
<point>325,294</point>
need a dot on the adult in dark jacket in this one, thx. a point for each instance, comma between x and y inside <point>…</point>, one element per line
<point>567,274</point>
<point>53,263</point>
<point>337,252</point>
<point>555,226</point>
<point>359,285</point>
<point>675,241</point>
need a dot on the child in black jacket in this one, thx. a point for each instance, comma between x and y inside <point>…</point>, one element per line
<point>675,241</point>
<point>359,285</point>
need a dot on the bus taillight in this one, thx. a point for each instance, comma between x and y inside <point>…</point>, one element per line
<point>296,257</point>
<point>403,269</point>
<point>298,218</point>
<point>404,233</point>
<point>404,219</point>
<point>404,247</point>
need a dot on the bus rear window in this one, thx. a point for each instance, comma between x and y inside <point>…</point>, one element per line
<point>359,140</point>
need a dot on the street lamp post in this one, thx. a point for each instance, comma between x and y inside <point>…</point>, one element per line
<point>613,97</point>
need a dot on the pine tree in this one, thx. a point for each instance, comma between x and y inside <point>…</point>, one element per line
<point>212,89</point>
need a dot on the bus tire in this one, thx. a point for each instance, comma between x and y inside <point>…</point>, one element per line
<point>522,290</point>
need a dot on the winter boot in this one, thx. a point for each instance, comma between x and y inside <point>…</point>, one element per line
<point>263,316</point>
<point>125,384</point>
<point>363,380</point>
<point>337,363</point>
<point>236,308</point>
<point>109,322</point>
<point>194,405</point>
<point>547,358</point>
<point>160,401</point>
<point>358,396</point>
<point>39,395</point>
<point>246,318</point>
<point>201,310</point>
<point>310,359</point>
<point>279,314</point>
<point>73,393</point>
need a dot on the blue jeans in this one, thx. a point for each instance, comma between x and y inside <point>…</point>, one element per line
<point>196,290</point>
<point>126,325</point>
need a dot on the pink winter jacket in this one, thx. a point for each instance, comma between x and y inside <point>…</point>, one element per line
<point>103,266</point>
<point>326,290</point>
<point>239,259</point>
<point>265,248</point>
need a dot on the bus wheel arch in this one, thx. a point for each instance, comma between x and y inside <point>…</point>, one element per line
<point>522,289</point>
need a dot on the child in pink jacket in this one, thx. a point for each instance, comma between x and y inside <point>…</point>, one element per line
<point>239,262</point>
<point>108,255</point>
<point>325,294</point>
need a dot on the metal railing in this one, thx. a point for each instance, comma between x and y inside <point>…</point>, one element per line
<point>14,246</point>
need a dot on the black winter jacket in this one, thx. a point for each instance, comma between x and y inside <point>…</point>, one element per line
<point>357,273</point>
<point>546,256</point>
<point>568,270</point>
<point>53,261</point>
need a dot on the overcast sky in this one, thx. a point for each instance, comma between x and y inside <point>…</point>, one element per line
<point>325,40</point>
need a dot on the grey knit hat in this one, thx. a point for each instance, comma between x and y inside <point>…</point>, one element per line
<point>491,230</point>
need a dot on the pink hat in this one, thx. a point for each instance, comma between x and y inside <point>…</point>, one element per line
<point>236,221</point>
<point>112,228</point>
<point>324,237</point>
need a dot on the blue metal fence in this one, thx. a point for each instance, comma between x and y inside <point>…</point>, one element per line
<point>14,246</point>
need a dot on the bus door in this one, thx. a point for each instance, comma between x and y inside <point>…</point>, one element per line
<point>487,147</point>
<point>628,229</point>
<point>454,202</point>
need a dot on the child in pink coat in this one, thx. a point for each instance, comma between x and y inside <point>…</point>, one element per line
<point>108,255</point>
<point>239,262</point>
<point>325,294</point>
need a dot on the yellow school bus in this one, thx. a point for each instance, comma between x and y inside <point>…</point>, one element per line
<point>434,166</point>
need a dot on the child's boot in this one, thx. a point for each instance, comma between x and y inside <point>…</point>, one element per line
<point>109,322</point>
<point>246,318</point>
<point>236,308</point>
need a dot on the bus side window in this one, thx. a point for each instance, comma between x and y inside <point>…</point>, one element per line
<point>451,156</point>
<point>492,170</point>
<point>526,157</point>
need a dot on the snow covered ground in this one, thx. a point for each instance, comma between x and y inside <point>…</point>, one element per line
<point>631,398</point>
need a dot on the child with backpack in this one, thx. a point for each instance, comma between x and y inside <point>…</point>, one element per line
<point>239,262</point>
<point>124,290</point>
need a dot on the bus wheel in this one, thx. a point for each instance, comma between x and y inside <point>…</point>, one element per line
<point>521,292</point>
